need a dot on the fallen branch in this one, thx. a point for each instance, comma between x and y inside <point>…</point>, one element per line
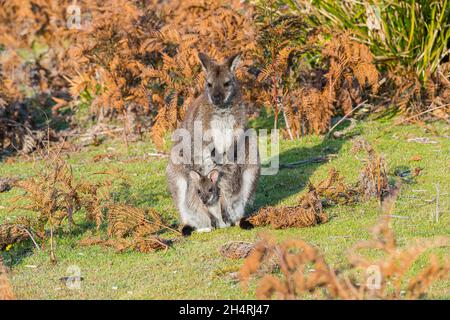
<point>156,154</point>
<point>338,134</point>
<point>345,117</point>
<point>304,162</point>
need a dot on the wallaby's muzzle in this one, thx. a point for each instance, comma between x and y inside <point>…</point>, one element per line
<point>219,100</point>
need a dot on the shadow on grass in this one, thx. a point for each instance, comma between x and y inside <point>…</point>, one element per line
<point>273,189</point>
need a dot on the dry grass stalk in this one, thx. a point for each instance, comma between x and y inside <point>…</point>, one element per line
<point>373,181</point>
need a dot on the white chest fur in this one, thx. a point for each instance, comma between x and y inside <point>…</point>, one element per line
<point>222,131</point>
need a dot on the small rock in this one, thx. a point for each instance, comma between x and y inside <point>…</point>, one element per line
<point>6,184</point>
<point>423,140</point>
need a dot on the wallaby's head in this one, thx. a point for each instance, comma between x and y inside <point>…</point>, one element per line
<point>221,84</point>
<point>206,186</point>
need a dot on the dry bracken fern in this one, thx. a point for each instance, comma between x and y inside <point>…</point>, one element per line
<point>304,271</point>
<point>308,213</point>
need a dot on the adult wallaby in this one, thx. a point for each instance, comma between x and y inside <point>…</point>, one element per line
<point>220,114</point>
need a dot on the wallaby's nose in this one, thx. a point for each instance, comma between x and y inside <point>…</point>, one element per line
<point>205,199</point>
<point>217,98</point>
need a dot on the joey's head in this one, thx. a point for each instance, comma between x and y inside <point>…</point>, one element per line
<point>221,84</point>
<point>206,186</point>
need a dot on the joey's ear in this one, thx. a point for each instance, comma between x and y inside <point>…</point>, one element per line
<point>205,60</point>
<point>194,175</point>
<point>233,61</point>
<point>213,176</point>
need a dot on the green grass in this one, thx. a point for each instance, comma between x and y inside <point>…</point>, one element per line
<point>193,268</point>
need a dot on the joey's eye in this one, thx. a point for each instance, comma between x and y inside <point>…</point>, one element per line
<point>199,192</point>
<point>227,84</point>
<point>209,84</point>
<point>210,190</point>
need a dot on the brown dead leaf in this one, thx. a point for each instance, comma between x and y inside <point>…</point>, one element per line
<point>417,171</point>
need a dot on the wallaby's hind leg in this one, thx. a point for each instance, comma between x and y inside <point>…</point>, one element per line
<point>226,218</point>
<point>217,216</point>
<point>223,212</point>
<point>214,221</point>
<point>235,207</point>
<point>250,178</point>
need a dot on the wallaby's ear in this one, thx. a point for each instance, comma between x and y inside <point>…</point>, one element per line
<point>194,175</point>
<point>205,60</point>
<point>233,61</point>
<point>213,176</point>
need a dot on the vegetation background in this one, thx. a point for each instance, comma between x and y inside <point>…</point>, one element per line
<point>90,91</point>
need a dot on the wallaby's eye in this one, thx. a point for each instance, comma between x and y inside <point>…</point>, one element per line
<point>227,84</point>
<point>209,84</point>
<point>199,192</point>
<point>210,190</point>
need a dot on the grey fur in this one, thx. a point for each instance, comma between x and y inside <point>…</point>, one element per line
<point>219,109</point>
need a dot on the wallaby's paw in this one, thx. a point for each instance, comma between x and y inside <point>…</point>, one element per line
<point>201,230</point>
<point>245,224</point>
<point>214,222</point>
<point>226,219</point>
<point>187,230</point>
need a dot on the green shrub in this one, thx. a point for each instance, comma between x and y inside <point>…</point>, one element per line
<point>412,33</point>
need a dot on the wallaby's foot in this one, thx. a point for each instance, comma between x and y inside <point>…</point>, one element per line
<point>226,218</point>
<point>202,230</point>
<point>245,224</point>
<point>214,222</point>
<point>187,230</point>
